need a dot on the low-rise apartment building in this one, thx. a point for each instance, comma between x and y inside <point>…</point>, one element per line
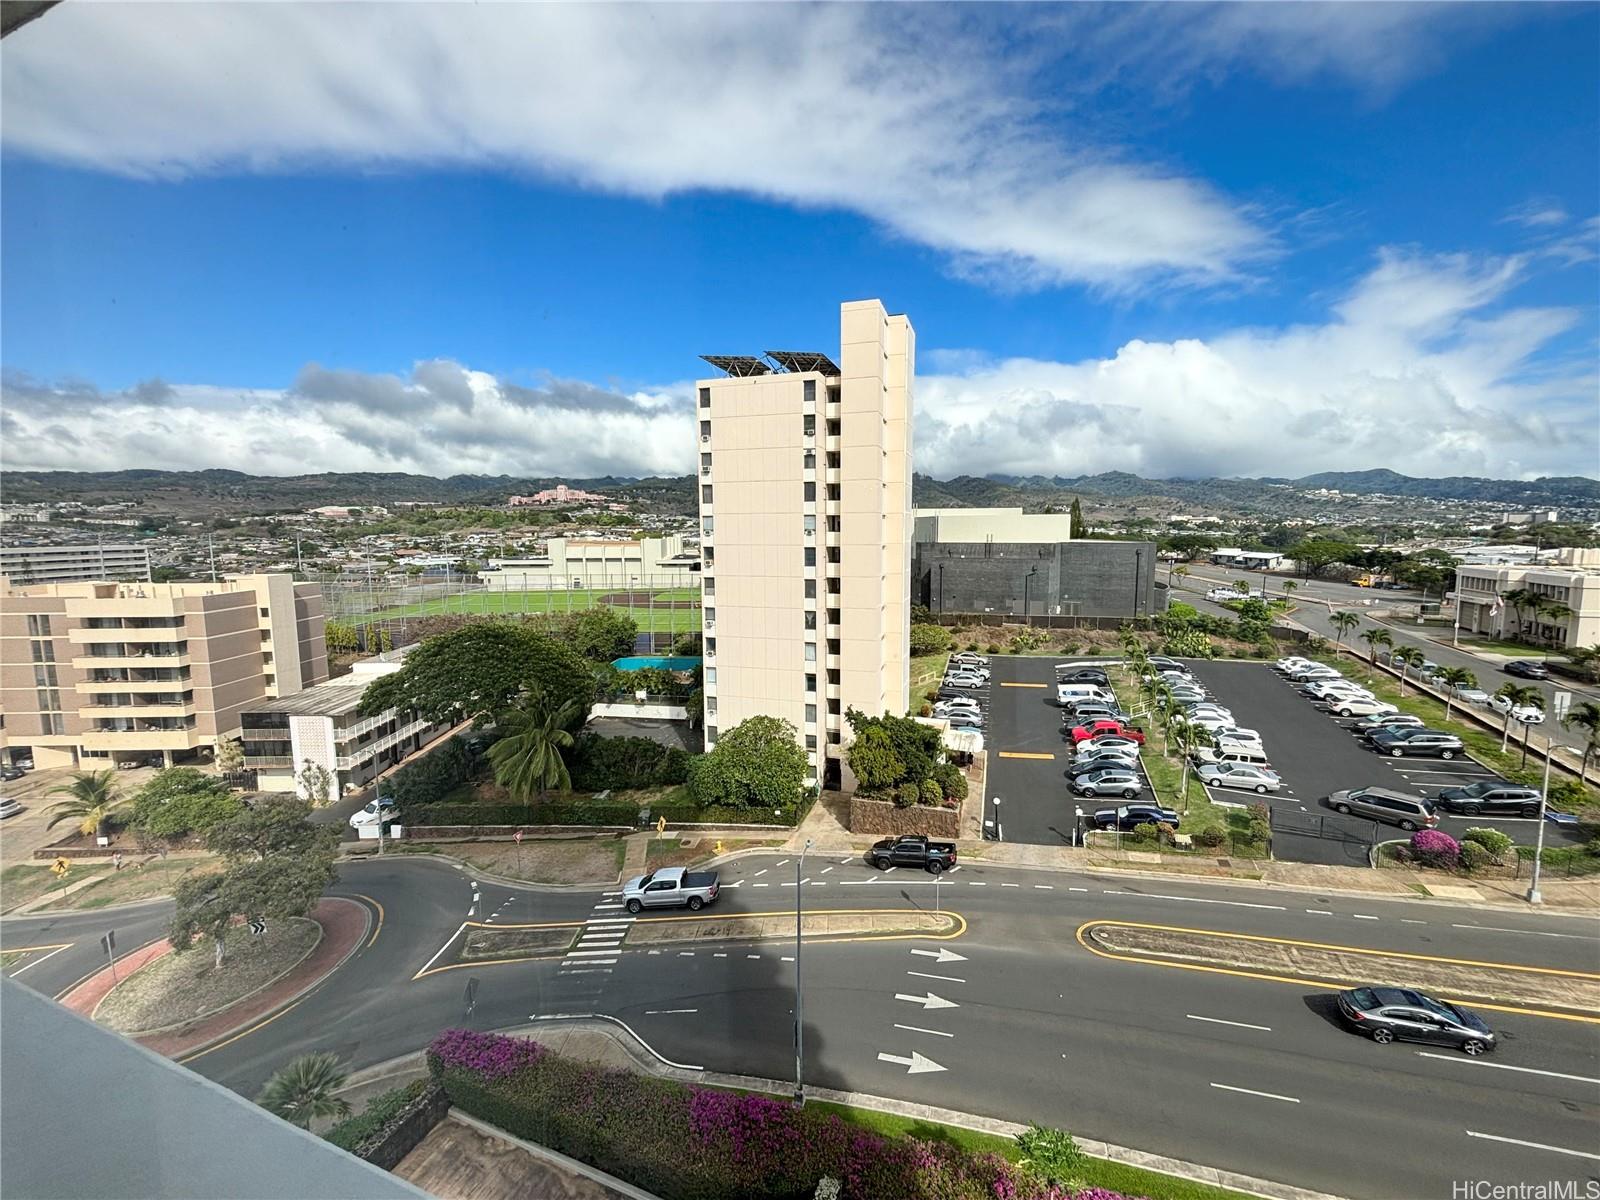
<point>98,674</point>
<point>69,564</point>
<point>320,727</point>
<point>1569,578</point>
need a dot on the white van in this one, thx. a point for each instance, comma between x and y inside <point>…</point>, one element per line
<point>1067,693</point>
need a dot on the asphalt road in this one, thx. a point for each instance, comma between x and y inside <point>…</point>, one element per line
<point>1027,759</point>
<point>1317,753</point>
<point>1025,1024</point>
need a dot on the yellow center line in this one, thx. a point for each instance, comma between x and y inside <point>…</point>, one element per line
<point>1024,754</point>
<point>242,1033</point>
<point>31,949</point>
<point>1027,685</point>
<point>379,928</point>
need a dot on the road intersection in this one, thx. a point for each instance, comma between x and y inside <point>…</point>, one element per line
<point>1012,1018</point>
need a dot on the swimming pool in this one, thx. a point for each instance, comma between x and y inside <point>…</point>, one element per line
<point>665,662</point>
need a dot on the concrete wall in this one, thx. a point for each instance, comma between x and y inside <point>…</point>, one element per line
<point>1082,578</point>
<point>991,524</point>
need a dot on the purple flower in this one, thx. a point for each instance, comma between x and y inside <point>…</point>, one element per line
<point>491,1055</point>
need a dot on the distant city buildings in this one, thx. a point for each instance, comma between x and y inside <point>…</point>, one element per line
<point>560,494</point>
<point>97,674</point>
<point>805,528</point>
<point>347,512</point>
<point>68,564</point>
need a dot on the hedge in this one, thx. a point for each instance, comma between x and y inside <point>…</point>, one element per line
<point>380,1110</point>
<point>600,763</point>
<point>689,1143</point>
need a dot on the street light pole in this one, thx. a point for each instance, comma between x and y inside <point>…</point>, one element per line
<point>1544,803</point>
<point>799,1025</point>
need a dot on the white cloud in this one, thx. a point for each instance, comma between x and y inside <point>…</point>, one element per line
<point>1420,367</point>
<point>1538,213</point>
<point>917,117</point>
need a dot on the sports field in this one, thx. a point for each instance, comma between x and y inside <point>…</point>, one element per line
<point>665,610</point>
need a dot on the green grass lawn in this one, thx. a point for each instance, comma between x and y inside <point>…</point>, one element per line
<point>22,882</point>
<point>650,619</point>
<point>1493,646</point>
<point>1097,1172</point>
<point>926,672</point>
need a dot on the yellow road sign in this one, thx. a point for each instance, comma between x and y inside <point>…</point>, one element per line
<point>60,867</point>
<point>661,824</point>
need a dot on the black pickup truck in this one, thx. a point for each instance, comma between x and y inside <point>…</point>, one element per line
<point>912,850</point>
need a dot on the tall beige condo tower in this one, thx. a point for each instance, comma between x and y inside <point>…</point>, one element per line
<point>805,523</point>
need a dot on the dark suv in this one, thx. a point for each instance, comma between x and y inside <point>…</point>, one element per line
<point>1496,798</point>
<point>1128,816</point>
<point>1388,1014</point>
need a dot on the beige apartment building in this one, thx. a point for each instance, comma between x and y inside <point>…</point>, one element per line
<point>99,674</point>
<point>1569,577</point>
<point>805,524</point>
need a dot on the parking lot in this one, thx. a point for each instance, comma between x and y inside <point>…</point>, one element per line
<point>1027,760</point>
<point>1317,753</point>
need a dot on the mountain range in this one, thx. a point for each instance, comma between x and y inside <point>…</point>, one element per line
<point>233,491</point>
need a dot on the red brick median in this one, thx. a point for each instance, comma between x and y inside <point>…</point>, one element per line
<point>344,923</point>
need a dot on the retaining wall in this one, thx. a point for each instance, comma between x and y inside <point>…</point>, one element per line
<point>881,817</point>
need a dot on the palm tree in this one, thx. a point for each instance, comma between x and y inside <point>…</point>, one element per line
<point>1344,622</point>
<point>1585,716</point>
<point>94,798</point>
<point>1289,587</point>
<point>1517,599</point>
<point>1516,695</point>
<point>1190,737</point>
<point>304,1090</point>
<point>527,759</point>
<point>1453,678</point>
<point>1552,612</point>
<point>1161,700</point>
<point>1406,656</point>
<point>1375,637</point>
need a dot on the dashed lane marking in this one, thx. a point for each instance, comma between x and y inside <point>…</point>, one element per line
<point>1530,932</point>
<point>1491,1137</point>
<point>1478,1062</point>
<point>1252,1092</point>
<point>919,1029</point>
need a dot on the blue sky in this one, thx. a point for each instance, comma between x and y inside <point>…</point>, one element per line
<point>1181,240</point>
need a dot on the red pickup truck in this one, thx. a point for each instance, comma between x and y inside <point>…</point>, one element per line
<point>1096,729</point>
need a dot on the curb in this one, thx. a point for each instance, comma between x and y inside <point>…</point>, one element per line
<point>200,1048</point>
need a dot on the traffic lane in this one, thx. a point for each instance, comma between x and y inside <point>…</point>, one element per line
<point>50,972</point>
<point>1026,756</point>
<point>1017,1035</point>
<point>1045,909</point>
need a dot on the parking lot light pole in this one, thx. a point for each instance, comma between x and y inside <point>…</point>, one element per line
<point>799,1026</point>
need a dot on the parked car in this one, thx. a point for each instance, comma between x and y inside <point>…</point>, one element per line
<point>1528,714</point>
<point>912,850</point>
<point>1392,720</point>
<point>1219,594</point>
<point>967,682</point>
<point>1382,804</point>
<point>1126,816</point>
<point>969,658</point>
<point>1470,695</point>
<point>670,887</point>
<point>1109,781</point>
<point>1326,689</point>
<point>1524,669</point>
<point>1101,729</point>
<point>1431,743</point>
<point>957,704</point>
<point>1212,722</point>
<point>1095,762</point>
<point>25,763</point>
<point>1361,706</point>
<point>1087,675</point>
<point>1497,798</point>
<point>1388,1014</point>
<point>1167,662</point>
<point>9,808</point>
<point>1107,745</point>
<point>10,773</point>
<point>369,815</point>
<point>1308,673</point>
<point>1289,662</point>
<point>1240,775</point>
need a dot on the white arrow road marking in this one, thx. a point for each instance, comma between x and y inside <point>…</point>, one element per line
<point>917,1064</point>
<point>734,884</point>
<point>942,955</point>
<point>928,1001</point>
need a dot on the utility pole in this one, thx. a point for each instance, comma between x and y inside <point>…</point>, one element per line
<point>799,1024</point>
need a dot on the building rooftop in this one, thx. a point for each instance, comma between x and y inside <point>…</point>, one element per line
<point>325,700</point>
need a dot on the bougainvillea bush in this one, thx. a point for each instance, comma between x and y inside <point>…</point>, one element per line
<point>689,1143</point>
<point>1435,849</point>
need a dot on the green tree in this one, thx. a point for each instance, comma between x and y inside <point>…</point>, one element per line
<point>873,761</point>
<point>182,800</point>
<point>229,756</point>
<point>277,865</point>
<point>1079,529</point>
<point>1242,586</point>
<point>1585,716</point>
<point>1290,587</point>
<point>478,671</point>
<point>1519,600</point>
<point>1343,623</point>
<point>340,637</point>
<point>602,634</point>
<point>1453,678</point>
<point>93,798</point>
<point>758,762</point>
<point>929,639</point>
<point>529,758</point>
<point>1551,612</point>
<point>1375,637</point>
<point>1517,696</point>
<point>314,782</point>
<point>306,1090</point>
<point>1315,555</point>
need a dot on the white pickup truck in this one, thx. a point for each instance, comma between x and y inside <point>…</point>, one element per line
<point>670,887</point>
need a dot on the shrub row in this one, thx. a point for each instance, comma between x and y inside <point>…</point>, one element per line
<point>689,1143</point>
<point>380,1110</point>
<point>600,763</point>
